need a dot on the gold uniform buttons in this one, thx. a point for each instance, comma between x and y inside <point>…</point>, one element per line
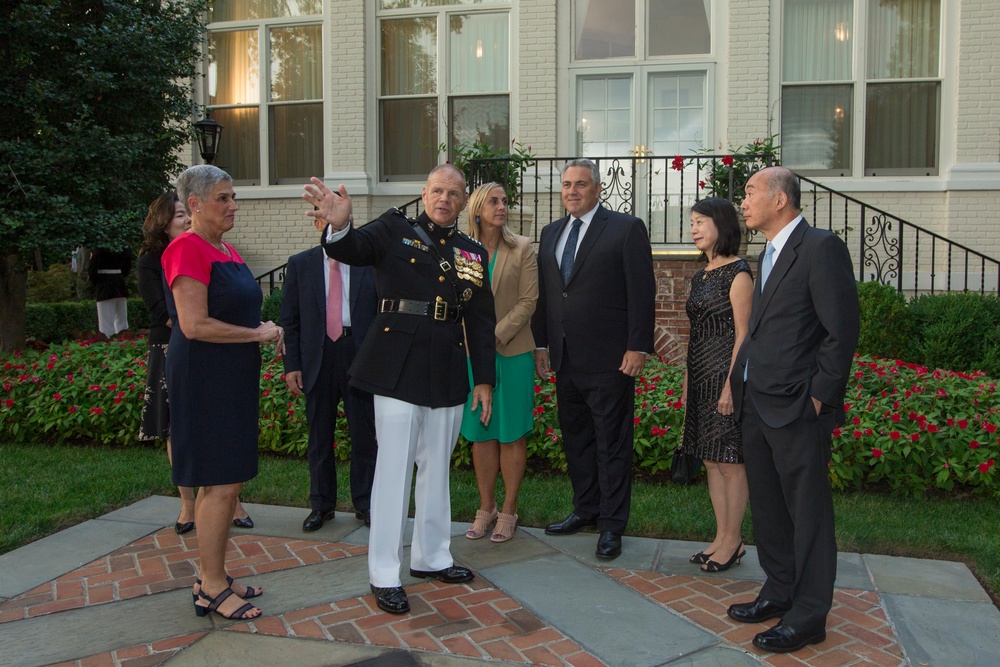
<point>442,241</point>
<point>387,328</point>
<point>441,279</point>
<point>413,261</point>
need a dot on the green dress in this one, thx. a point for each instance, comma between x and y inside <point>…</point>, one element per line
<point>513,399</point>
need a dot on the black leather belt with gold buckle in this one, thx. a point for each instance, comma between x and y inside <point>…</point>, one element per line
<point>441,311</point>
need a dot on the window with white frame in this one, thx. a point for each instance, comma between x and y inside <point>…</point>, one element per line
<point>265,86</point>
<point>444,79</point>
<point>861,87</point>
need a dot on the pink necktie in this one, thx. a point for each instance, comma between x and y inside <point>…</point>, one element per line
<point>334,316</point>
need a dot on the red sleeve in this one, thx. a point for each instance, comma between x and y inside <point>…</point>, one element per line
<point>188,256</point>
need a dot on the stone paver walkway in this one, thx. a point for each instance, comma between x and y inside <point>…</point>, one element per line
<point>116,592</point>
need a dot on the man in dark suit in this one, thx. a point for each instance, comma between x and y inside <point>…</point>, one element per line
<point>320,345</point>
<point>788,389</point>
<point>594,327</point>
<point>431,279</point>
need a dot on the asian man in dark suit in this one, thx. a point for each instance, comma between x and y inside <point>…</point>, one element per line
<point>788,385</point>
<point>316,364</point>
<point>593,326</point>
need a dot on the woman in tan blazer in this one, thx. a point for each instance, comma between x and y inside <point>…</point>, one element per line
<point>500,447</point>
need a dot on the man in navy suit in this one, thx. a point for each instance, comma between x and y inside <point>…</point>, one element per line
<point>319,348</point>
<point>593,326</point>
<point>788,386</point>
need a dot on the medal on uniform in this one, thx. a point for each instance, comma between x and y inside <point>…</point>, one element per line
<point>467,294</point>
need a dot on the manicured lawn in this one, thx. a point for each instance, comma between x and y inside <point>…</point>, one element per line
<point>44,489</point>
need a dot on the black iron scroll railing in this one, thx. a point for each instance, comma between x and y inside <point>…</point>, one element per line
<point>884,247</point>
<point>276,276</point>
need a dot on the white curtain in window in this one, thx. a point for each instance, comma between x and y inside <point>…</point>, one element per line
<point>409,56</point>
<point>903,39</point>
<point>605,29</point>
<point>234,68</point>
<point>818,40</point>
<point>480,53</point>
<point>239,148</point>
<point>296,63</point>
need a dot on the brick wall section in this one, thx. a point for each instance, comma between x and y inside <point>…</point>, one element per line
<point>977,123</point>
<point>346,81</point>
<point>747,85</point>
<point>673,283</point>
<point>536,91</point>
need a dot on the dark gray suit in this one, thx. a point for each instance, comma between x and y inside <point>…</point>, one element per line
<point>606,309</point>
<point>800,344</point>
<point>324,365</point>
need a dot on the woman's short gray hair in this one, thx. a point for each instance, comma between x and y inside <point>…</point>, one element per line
<point>199,181</point>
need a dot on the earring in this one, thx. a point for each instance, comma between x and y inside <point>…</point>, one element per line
<point>477,219</point>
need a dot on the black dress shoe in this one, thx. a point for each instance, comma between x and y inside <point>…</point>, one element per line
<point>757,611</point>
<point>391,600</point>
<point>609,545</point>
<point>450,575</point>
<point>569,525</point>
<point>245,522</point>
<point>364,515</point>
<point>315,520</point>
<point>185,527</point>
<point>785,639</point>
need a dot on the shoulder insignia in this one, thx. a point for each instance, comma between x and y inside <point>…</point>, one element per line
<point>396,211</point>
<point>469,238</point>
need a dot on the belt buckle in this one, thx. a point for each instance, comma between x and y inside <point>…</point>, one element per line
<point>441,311</point>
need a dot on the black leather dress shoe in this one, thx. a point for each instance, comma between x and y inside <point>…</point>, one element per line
<point>785,639</point>
<point>609,545</point>
<point>757,611</point>
<point>450,575</point>
<point>364,515</point>
<point>571,524</point>
<point>391,600</point>
<point>244,522</point>
<point>185,527</point>
<point>315,520</point>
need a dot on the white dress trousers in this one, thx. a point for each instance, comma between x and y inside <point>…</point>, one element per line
<point>411,434</point>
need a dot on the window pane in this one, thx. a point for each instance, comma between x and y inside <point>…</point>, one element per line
<point>605,29</point>
<point>296,63</point>
<point>903,39</point>
<point>241,10</point>
<point>486,118</point>
<point>678,27</point>
<point>817,42</point>
<point>901,133</point>
<point>405,4</point>
<point>239,146</point>
<point>409,56</point>
<point>409,139</point>
<point>816,128</point>
<point>604,126</point>
<point>677,113</point>
<point>480,53</point>
<point>233,68</point>
<point>296,142</point>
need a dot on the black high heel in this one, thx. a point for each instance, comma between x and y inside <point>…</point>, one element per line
<point>712,566</point>
<point>216,602</point>
<point>252,591</point>
<point>701,558</point>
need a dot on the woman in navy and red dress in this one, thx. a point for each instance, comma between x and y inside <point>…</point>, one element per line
<point>213,377</point>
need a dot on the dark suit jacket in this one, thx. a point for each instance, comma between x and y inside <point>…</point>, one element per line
<point>608,305</point>
<point>803,330</point>
<point>303,311</point>
<point>414,358</point>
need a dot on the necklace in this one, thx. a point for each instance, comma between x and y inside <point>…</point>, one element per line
<point>220,246</point>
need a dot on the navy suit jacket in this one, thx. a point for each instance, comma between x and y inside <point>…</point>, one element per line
<point>303,311</point>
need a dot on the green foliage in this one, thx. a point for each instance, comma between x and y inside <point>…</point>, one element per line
<point>956,331</point>
<point>96,107</point>
<point>483,163</point>
<point>270,310</point>
<point>727,177</point>
<point>886,322</point>
<point>57,322</point>
<point>56,284</point>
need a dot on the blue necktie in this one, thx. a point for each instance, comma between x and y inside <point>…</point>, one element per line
<point>569,252</point>
<point>765,264</point>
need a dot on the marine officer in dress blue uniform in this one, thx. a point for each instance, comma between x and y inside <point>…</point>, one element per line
<point>431,279</point>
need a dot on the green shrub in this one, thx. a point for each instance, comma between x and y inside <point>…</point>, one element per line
<point>57,322</point>
<point>270,310</point>
<point>955,331</point>
<point>52,286</point>
<point>886,321</point>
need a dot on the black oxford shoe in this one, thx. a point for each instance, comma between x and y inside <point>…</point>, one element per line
<point>391,600</point>
<point>450,575</point>
<point>785,639</point>
<point>571,524</point>
<point>757,611</point>
<point>609,545</point>
<point>365,516</point>
<point>316,519</point>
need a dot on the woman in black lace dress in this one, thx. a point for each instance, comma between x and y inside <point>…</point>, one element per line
<point>719,310</point>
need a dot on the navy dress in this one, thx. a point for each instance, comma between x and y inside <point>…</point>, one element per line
<point>214,388</point>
